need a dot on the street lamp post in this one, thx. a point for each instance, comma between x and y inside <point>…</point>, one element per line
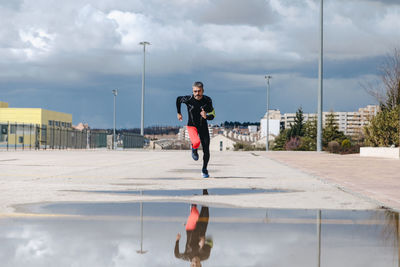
<point>267,77</point>
<point>143,82</point>
<point>320,79</point>
<point>115,93</point>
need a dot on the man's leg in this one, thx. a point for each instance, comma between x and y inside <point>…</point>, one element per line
<point>205,143</point>
<point>195,140</point>
<point>202,221</point>
<point>192,219</point>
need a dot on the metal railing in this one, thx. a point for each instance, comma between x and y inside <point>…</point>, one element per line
<point>20,136</point>
<point>132,140</point>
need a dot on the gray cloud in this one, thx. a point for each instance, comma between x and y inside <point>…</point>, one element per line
<point>385,2</point>
<point>15,4</point>
<point>254,12</point>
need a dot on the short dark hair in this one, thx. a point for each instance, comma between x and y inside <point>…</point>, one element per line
<point>198,84</point>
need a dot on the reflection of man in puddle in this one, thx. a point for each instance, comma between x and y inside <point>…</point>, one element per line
<point>197,247</point>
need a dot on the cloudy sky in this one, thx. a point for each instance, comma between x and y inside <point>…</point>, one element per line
<point>68,55</point>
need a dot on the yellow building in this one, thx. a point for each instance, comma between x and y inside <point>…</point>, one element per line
<point>35,116</point>
<point>3,104</point>
<point>22,125</point>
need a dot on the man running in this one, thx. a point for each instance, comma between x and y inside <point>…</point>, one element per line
<point>200,110</point>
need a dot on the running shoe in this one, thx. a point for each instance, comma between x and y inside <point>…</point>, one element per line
<point>204,173</point>
<point>195,155</point>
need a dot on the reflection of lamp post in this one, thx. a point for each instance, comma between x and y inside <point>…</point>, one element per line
<point>115,93</point>
<point>141,251</point>
<point>267,143</point>
<point>143,77</point>
<point>398,240</point>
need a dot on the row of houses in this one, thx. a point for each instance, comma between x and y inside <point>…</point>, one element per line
<point>350,123</point>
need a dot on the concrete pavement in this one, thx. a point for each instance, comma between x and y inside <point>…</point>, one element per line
<point>375,178</point>
<point>311,180</point>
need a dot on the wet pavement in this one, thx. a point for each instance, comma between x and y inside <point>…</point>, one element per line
<point>145,234</point>
<point>54,176</point>
<point>190,192</point>
<point>84,208</point>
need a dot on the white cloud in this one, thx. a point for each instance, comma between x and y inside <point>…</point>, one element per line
<point>78,33</point>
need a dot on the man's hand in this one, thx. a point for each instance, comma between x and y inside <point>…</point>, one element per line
<point>202,241</point>
<point>180,117</point>
<point>203,114</point>
<point>178,237</point>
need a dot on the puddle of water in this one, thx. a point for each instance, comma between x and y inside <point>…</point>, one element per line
<point>167,178</point>
<point>212,191</point>
<point>116,234</point>
<point>214,177</point>
<point>189,170</point>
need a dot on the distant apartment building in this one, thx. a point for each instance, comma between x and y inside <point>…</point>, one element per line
<point>350,123</point>
<point>274,118</point>
<point>252,129</point>
<point>288,118</point>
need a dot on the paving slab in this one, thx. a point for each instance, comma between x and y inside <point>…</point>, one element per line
<point>374,178</point>
<point>28,177</point>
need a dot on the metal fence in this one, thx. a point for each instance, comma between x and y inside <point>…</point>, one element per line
<point>132,140</point>
<point>15,136</point>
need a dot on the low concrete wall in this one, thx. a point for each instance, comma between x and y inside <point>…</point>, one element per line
<point>380,152</point>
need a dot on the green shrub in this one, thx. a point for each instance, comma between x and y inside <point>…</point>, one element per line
<point>245,147</point>
<point>333,147</point>
<point>293,144</point>
<point>346,144</point>
<point>383,129</point>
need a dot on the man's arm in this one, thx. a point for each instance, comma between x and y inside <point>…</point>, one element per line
<point>180,100</point>
<point>176,250</point>
<point>210,112</point>
<point>204,252</point>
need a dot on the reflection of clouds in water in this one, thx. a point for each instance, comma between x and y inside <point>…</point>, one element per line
<point>159,252</point>
<point>125,255</point>
<point>35,243</point>
<point>263,244</point>
<point>115,242</point>
<point>67,243</point>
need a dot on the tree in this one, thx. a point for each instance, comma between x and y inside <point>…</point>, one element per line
<point>301,136</point>
<point>331,131</point>
<point>280,140</point>
<point>309,140</point>
<point>388,92</point>
<point>383,129</point>
<point>297,129</point>
<point>310,128</point>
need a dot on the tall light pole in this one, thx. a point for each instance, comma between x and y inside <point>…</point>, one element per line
<point>143,78</point>
<point>115,93</point>
<point>320,79</point>
<point>267,77</point>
